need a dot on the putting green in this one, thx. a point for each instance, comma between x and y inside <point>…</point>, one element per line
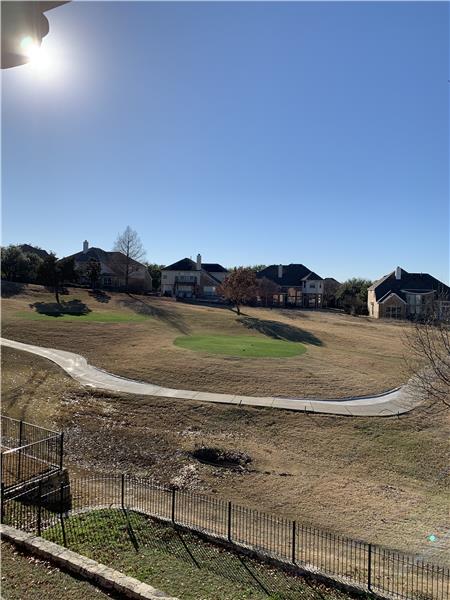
<point>240,345</point>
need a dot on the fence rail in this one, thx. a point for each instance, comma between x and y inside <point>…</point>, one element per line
<point>366,566</point>
<point>28,451</point>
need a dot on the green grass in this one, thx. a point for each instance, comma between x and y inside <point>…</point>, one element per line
<point>177,562</point>
<point>25,576</point>
<point>91,317</point>
<point>240,345</point>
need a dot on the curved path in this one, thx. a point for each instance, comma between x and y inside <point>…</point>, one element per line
<point>390,403</point>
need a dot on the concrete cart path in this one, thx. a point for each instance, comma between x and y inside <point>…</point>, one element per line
<point>390,403</point>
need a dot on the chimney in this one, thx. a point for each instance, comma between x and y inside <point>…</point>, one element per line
<point>280,271</point>
<point>199,262</point>
<point>85,246</point>
<point>398,273</point>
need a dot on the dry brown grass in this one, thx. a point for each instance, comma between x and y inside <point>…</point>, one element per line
<point>380,479</point>
<point>345,355</point>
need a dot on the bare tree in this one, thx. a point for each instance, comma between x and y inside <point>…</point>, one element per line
<point>240,286</point>
<point>267,289</point>
<point>93,272</point>
<point>129,244</point>
<point>330,288</point>
<point>428,344</point>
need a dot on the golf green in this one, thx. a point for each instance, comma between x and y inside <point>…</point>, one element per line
<point>240,345</point>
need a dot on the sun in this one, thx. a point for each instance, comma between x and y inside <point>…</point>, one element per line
<point>38,57</point>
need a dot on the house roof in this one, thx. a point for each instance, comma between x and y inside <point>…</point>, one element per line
<point>408,282</point>
<point>292,275</point>
<point>28,249</point>
<point>186,264</point>
<point>114,262</point>
<point>214,268</point>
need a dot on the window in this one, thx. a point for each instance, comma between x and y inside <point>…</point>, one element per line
<point>393,312</point>
<point>312,286</point>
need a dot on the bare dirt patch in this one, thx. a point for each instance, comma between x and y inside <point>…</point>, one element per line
<point>228,459</point>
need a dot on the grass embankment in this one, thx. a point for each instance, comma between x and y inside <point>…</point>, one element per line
<point>141,337</point>
<point>384,480</point>
<point>91,317</point>
<point>27,577</point>
<point>177,562</point>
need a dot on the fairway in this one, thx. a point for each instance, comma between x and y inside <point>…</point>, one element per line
<point>91,317</point>
<point>313,354</point>
<point>240,345</point>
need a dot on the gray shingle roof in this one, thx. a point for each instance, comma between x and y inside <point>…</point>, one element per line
<point>115,261</point>
<point>408,282</point>
<point>186,264</point>
<point>213,268</point>
<point>293,274</point>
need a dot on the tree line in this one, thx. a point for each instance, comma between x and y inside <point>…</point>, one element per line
<point>240,287</point>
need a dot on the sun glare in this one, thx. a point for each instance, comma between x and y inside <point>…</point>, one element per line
<point>38,57</point>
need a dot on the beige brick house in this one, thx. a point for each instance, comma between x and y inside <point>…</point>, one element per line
<point>298,285</point>
<point>189,279</point>
<point>403,295</point>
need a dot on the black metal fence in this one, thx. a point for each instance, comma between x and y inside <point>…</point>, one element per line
<point>28,451</point>
<point>359,564</point>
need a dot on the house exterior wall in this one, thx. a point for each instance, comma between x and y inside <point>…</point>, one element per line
<point>313,287</point>
<point>170,278</point>
<point>297,296</point>
<point>197,282</point>
<point>372,305</point>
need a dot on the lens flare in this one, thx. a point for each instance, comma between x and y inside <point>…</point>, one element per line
<point>432,538</point>
<point>29,46</point>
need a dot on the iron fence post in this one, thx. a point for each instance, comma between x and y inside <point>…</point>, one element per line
<point>2,506</point>
<point>294,533</point>
<point>61,516</point>
<point>229,521</point>
<point>39,508</point>
<point>174,491</point>
<point>369,568</point>
<point>61,450</point>
<point>19,458</point>
<point>122,494</point>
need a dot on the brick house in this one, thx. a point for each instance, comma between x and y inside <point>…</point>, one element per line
<point>189,279</point>
<point>298,285</point>
<point>403,295</point>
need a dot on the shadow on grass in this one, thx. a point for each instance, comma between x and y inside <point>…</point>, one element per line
<point>167,315</point>
<point>53,309</point>
<point>280,331</point>
<point>129,541</point>
<point>100,296</point>
<point>10,288</point>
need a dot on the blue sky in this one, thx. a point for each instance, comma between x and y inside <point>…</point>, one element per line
<point>249,132</point>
